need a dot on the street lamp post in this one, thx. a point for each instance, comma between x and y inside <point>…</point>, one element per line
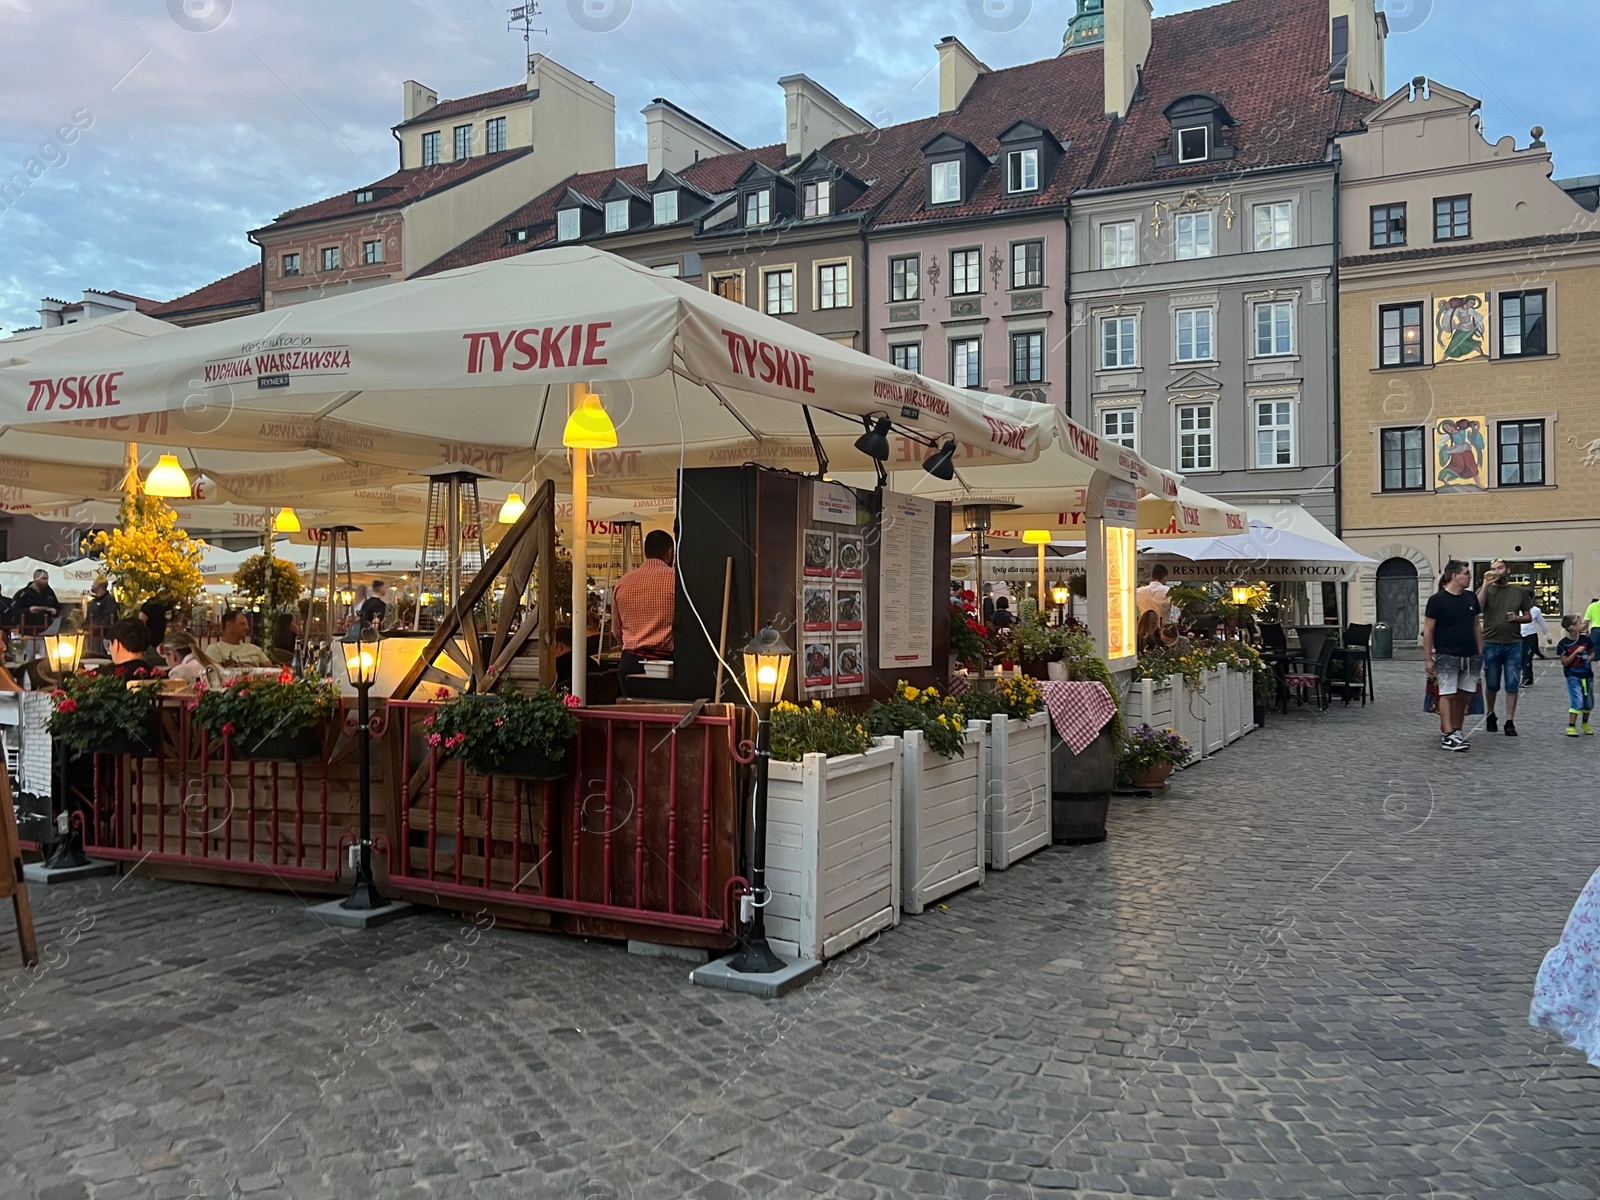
<point>361,653</point>
<point>64,650</point>
<point>766,671</point>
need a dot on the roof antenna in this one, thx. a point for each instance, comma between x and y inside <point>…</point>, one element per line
<point>524,14</point>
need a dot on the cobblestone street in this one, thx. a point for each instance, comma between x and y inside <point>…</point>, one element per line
<point>1303,973</point>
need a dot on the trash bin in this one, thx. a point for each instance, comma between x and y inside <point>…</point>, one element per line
<point>1382,641</point>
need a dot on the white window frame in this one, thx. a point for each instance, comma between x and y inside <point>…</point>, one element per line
<point>913,277</point>
<point>1194,322</point>
<point>758,207</point>
<point>569,224</point>
<point>911,353</point>
<point>1022,171</point>
<point>1126,427</point>
<point>456,138</point>
<point>332,258</point>
<point>617,216</point>
<point>664,207</point>
<point>1279,216</point>
<point>944,182</point>
<point>1011,355</point>
<point>432,147</point>
<point>1186,241</point>
<point>1201,436</point>
<point>770,274</point>
<point>1023,248</point>
<point>1127,342</point>
<point>1205,135</point>
<point>975,275</point>
<point>1274,349</point>
<point>972,357</point>
<point>1128,244</point>
<point>371,252</point>
<point>829,283</point>
<point>1282,428</point>
<point>816,198</point>
<point>494,135</point>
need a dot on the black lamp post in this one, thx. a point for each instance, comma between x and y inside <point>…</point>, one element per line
<point>64,650</point>
<point>361,651</point>
<point>766,670</point>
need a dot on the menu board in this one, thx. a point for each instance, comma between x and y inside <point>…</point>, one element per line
<point>905,582</point>
<point>1120,582</point>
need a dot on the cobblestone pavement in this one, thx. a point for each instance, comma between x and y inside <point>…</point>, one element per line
<point>1303,973</point>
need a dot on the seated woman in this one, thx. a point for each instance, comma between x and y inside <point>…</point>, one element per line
<point>1172,638</point>
<point>187,662</point>
<point>1148,631</point>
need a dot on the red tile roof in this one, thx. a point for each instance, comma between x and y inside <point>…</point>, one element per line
<point>242,286</point>
<point>538,215</point>
<point>466,104</point>
<point>141,303</point>
<point>413,183</point>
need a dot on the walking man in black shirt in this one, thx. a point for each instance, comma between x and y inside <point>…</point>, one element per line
<point>1452,648</point>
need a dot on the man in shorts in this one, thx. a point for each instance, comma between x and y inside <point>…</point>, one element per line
<point>1452,649</point>
<point>1505,607</point>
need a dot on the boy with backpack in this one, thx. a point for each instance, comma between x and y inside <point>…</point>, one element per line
<point>1576,652</point>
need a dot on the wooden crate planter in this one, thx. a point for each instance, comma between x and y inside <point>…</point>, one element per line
<point>1224,706</point>
<point>942,834</point>
<point>1243,697</point>
<point>1018,803</point>
<point>833,850</point>
<point>1150,702</point>
<point>1189,716</point>
<point>1211,704</point>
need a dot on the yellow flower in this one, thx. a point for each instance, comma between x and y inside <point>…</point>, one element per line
<point>911,693</point>
<point>817,704</point>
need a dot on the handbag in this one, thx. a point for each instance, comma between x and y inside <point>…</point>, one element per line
<point>1430,699</point>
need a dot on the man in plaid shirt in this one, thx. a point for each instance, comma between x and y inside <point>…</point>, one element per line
<point>642,607</point>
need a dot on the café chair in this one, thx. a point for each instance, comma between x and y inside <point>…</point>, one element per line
<point>1358,638</point>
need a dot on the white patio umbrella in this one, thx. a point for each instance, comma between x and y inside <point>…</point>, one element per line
<point>1263,553</point>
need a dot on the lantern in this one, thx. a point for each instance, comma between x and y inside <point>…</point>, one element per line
<point>361,655</point>
<point>1241,593</point>
<point>766,667</point>
<point>64,650</point>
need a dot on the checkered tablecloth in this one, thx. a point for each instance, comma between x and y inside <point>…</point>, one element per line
<point>1079,710</point>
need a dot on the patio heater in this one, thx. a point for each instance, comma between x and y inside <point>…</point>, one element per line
<point>316,636</point>
<point>452,539</point>
<point>766,671</point>
<point>362,649</point>
<point>977,518</point>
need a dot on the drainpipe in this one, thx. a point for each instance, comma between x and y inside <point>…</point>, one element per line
<point>1066,312</point>
<point>1338,380</point>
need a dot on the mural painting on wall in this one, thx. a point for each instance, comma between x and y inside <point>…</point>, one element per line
<point>1461,328</point>
<point>1461,452</point>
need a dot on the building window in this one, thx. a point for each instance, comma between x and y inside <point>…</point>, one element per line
<point>944,182</point>
<point>1400,335</point>
<point>1274,225</point>
<point>1274,328</point>
<point>291,264</point>
<point>1022,171</point>
<point>1388,225</point>
<point>1119,342</point>
<point>513,236</point>
<point>1195,235</point>
<point>1402,459</point>
<point>1027,358</point>
<point>463,139</point>
<point>568,225</point>
<point>372,252</point>
<point>1274,433</point>
<point>905,277</point>
<point>1120,425</point>
<point>966,358</point>
<point>780,291</point>
<point>816,198</point>
<point>907,356</point>
<point>1027,265</point>
<point>1194,335</point>
<point>833,285</point>
<point>966,272</point>
<point>729,286</point>
<point>1197,446</point>
<point>616,216</point>
<point>1119,245</point>
<point>758,207</point>
<point>1522,326</point>
<point>330,258</point>
<point>666,207</point>
<point>364,196</point>
<point>494,134</point>
<point>1521,453</point>
<point>430,148</point>
<point>672,269</point>
<point>1452,218</point>
<point>1194,144</point>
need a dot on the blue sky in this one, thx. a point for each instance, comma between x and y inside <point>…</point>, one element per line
<point>201,119</point>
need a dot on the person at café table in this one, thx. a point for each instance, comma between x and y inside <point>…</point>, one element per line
<point>36,607</point>
<point>642,606</point>
<point>235,648</point>
<point>130,639</point>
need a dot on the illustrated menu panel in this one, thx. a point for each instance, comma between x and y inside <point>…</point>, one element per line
<point>833,560</point>
<point>905,573</point>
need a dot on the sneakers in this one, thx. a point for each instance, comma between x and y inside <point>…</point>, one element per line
<point>1492,724</point>
<point>1454,741</point>
<point>1588,728</point>
<point>1511,728</point>
<point>1572,730</point>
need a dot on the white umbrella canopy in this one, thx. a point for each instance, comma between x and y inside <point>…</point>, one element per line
<point>1263,553</point>
<point>475,366</point>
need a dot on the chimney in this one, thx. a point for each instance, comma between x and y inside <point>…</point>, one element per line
<point>814,116</point>
<point>675,139</point>
<point>416,99</point>
<point>1127,47</point>
<point>959,69</point>
<point>1356,38</point>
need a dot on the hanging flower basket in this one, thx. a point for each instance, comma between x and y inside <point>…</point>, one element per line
<point>526,737</point>
<point>280,718</point>
<point>101,714</point>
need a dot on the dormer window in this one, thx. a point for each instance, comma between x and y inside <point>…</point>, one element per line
<point>1022,171</point>
<point>364,196</point>
<point>758,207</point>
<point>514,236</point>
<point>1032,153</point>
<point>666,207</point>
<point>1194,144</point>
<point>616,216</point>
<point>945,183</point>
<point>817,198</point>
<point>1200,125</point>
<point>568,225</point>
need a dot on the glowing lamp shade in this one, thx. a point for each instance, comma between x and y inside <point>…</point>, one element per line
<point>167,479</point>
<point>1036,537</point>
<point>589,427</point>
<point>511,511</point>
<point>346,596</point>
<point>361,656</point>
<point>64,650</point>
<point>1241,593</point>
<point>287,521</point>
<point>1060,594</point>
<point>766,667</point>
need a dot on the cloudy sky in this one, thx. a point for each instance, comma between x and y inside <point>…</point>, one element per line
<point>201,119</point>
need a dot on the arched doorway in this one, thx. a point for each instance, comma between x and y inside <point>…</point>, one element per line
<point>1398,598</point>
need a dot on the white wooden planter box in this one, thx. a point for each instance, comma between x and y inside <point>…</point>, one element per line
<point>1149,702</point>
<point>1018,803</point>
<point>1244,695</point>
<point>1189,716</point>
<point>833,850</point>
<point>1213,705</point>
<point>942,834</point>
<point>1226,706</point>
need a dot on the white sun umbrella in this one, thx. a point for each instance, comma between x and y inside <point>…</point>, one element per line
<point>1263,553</point>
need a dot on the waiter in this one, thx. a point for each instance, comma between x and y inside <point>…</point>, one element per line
<point>642,606</point>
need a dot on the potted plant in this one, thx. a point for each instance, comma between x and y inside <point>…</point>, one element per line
<point>103,714</point>
<point>1018,790</point>
<point>147,556</point>
<point>1036,646</point>
<point>1264,692</point>
<point>967,644</point>
<point>1149,756</point>
<point>282,718</point>
<point>1081,783</point>
<point>271,581</point>
<point>508,733</point>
